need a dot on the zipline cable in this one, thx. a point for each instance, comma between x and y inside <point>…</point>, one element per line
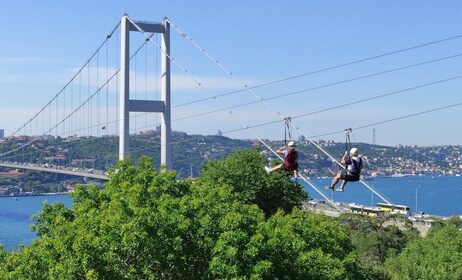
<point>273,110</point>
<point>316,71</point>
<point>353,103</point>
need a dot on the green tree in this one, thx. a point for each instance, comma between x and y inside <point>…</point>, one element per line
<point>437,256</point>
<point>148,225</point>
<point>376,239</point>
<point>244,172</point>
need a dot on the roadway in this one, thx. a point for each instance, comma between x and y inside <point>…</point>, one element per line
<point>321,207</point>
<point>88,173</point>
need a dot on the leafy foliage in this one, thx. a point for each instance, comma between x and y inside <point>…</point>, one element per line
<point>437,256</point>
<point>243,171</point>
<point>148,225</point>
<point>378,238</point>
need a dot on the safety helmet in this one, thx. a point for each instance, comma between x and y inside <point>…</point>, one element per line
<point>291,144</point>
<point>354,151</point>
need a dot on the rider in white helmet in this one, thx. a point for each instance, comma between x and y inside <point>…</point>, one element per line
<point>353,165</point>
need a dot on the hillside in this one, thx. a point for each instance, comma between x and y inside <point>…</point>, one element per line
<point>191,152</point>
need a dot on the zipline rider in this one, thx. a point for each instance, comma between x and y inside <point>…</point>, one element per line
<point>290,159</point>
<point>353,165</point>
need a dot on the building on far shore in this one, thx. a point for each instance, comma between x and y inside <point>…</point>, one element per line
<point>11,174</point>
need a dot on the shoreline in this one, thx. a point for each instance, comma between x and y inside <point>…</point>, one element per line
<point>38,194</point>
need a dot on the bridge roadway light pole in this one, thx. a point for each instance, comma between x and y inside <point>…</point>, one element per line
<point>128,105</point>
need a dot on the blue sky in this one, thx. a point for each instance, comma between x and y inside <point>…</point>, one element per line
<point>44,42</point>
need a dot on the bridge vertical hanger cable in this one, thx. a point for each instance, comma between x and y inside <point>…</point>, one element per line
<point>135,74</point>
<point>309,182</point>
<point>72,108</point>
<point>117,85</point>
<point>97,97</point>
<point>145,83</point>
<point>56,114</point>
<point>36,126</point>
<point>89,101</point>
<point>81,112</point>
<point>107,89</point>
<point>63,129</point>
<point>30,128</point>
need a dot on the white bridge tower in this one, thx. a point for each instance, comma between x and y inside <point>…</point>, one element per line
<point>128,105</point>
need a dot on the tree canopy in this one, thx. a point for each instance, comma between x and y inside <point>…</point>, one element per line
<point>146,224</point>
<point>437,256</point>
<point>233,222</point>
<point>243,172</point>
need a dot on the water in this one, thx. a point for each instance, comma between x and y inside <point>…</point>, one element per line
<point>440,196</point>
<point>15,218</point>
<point>436,195</point>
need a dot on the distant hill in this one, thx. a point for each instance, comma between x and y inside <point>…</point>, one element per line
<point>191,152</point>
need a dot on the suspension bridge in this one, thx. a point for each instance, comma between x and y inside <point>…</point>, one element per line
<point>113,94</point>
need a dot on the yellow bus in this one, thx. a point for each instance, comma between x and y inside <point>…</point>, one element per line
<point>369,211</point>
<point>400,209</point>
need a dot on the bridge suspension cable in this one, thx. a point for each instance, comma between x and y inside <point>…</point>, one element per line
<point>82,104</point>
<point>68,84</point>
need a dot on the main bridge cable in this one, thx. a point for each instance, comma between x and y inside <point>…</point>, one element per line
<point>56,96</point>
<point>278,114</point>
<point>230,112</point>
<point>71,80</point>
<point>82,104</point>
